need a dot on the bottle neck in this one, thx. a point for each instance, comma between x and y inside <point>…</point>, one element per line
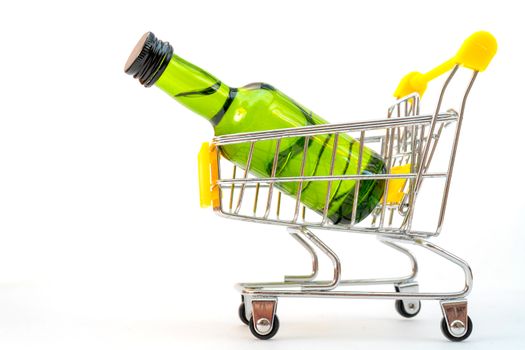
<point>196,89</point>
<point>152,62</point>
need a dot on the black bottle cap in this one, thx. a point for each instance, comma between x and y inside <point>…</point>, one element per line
<point>149,59</point>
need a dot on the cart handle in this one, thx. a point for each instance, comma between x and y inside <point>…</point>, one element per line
<point>475,53</point>
<point>208,175</point>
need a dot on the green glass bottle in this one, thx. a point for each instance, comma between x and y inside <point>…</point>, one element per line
<point>257,107</point>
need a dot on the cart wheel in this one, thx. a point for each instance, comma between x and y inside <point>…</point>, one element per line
<point>400,308</point>
<point>266,336</point>
<point>242,314</point>
<point>413,310</point>
<point>453,337</point>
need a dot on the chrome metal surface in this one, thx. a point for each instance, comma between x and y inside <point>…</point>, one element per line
<point>277,212</point>
<point>263,312</point>
<point>331,172</point>
<point>232,187</point>
<point>314,289</point>
<point>390,146</point>
<point>300,190</point>
<point>457,328</point>
<point>456,317</point>
<point>333,257</point>
<point>328,178</point>
<point>411,305</point>
<point>358,182</point>
<point>296,234</point>
<point>256,199</point>
<point>263,326</point>
<point>243,186</point>
<point>453,154</point>
<point>423,162</point>
<point>274,169</point>
<point>322,129</point>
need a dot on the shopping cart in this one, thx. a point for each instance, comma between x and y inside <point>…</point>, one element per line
<point>407,141</point>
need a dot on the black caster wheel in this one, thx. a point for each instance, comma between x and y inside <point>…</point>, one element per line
<point>400,308</point>
<point>242,314</point>
<point>453,337</point>
<point>269,335</point>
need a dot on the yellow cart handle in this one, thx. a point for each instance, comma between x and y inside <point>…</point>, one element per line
<point>475,53</point>
<point>208,175</point>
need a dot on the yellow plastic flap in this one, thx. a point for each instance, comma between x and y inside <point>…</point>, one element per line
<point>208,176</point>
<point>396,186</point>
<point>204,175</point>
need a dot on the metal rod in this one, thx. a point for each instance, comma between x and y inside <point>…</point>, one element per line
<point>300,189</point>
<point>412,170</point>
<point>226,186</point>
<point>296,234</point>
<point>421,169</point>
<point>333,257</point>
<point>329,185</point>
<point>309,290</point>
<point>453,154</point>
<point>435,140</point>
<point>388,166</point>
<point>422,139</point>
<point>248,164</point>
<point>321,129</point>
<point>274,169</point>
<point>256,198</point>
<point>405,138</point>
<point>232,188</point>
<point>385,231</point>
<point>358,182</point>
<point>327,178</point>
<point>219,172</point>
<point>342,283</point>
<point>407,221</point>
<point>278,210</point>
<point>413,152</point>
<point>398,143</point>
<point>390,216</point>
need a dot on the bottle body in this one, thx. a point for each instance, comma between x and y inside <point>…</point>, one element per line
<point>259,107</point>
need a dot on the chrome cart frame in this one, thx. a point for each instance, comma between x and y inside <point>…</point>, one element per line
<point>405,138</point>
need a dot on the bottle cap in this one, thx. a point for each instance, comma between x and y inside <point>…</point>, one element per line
<point>149,59</point>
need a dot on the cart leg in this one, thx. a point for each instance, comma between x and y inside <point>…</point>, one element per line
<point>448,256</point>
<point>296,233</point>
<point>333,257</point>
<point>456,324</point>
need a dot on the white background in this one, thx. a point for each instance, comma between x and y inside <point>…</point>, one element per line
<point>102,241</point>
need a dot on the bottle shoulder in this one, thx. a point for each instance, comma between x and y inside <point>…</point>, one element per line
<point>259,86</point>
<point>260,106</point>
<point>259,94</point>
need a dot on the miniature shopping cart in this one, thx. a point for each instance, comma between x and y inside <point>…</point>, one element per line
<point>408,143</point>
